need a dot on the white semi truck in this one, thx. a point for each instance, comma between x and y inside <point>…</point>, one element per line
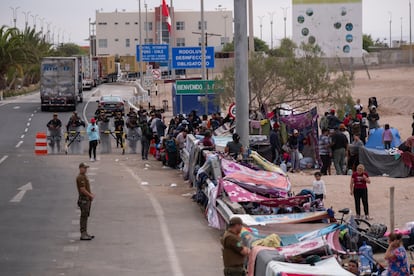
<point>60,83</point>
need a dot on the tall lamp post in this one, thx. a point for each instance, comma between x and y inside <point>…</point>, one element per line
<point>271,14</point>
<point>285,17</point>
<point>203,53</point>
<point>26,19</point>
<point>261,26</point>
<point>390,13</point>
<point>146,22</point>
<point>411,49</point>
<point>14,9</point>
<point>34,20</point>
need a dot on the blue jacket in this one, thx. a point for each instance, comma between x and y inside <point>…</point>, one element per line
<point>93,132</point>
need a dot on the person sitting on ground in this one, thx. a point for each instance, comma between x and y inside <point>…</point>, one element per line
<point>208,140</point>
<point>234,148</point>
<point>387,137</point>
<point>318,187</point>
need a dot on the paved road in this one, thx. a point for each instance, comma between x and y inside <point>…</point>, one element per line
<point>143,226</point>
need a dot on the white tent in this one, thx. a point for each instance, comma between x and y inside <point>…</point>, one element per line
<point>328,267</point>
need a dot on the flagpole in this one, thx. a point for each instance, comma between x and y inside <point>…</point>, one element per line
<point>172,38</point>
<point>161,22</point>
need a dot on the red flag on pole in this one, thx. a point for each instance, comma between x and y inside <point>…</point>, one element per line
<point>166,13</point>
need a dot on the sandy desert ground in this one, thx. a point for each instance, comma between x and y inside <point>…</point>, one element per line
<point>394,91</point>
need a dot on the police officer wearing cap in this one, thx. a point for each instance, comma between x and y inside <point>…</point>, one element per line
<point>234,253</point>
<point>84,201</point>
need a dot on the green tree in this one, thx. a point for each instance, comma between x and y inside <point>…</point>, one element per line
<point>302,81</point>
<point>259,46</point>
<point>367,42</point>
<point>67,50</point>
<point>286,49</point>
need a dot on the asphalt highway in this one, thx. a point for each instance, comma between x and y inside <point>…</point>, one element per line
<point>143,223</point>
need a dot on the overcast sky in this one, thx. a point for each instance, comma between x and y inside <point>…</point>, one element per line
<point>71,17</point>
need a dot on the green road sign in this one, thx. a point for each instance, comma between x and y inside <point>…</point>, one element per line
<point>197,87</point>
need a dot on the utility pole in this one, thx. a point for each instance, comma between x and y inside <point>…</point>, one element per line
<point>401,32</point>
<point>411,49</point>
<point>203,53</point>
<point>90,51</point>
<point>34,20</point>
<point>146,22</point>
<point>251,33</point>
<point>390,13</point>
<point>284,18</point>
<point>14,10</point>
<point>26,19</point>
<point>261,26</point>
<point>271,14</point>
<point>241,71</point>
<point>140,41</point>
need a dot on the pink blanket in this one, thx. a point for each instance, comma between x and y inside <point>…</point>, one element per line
<point>239,173</point>
<point>239,194</point>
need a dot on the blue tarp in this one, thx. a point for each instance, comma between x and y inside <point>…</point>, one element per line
<point>375,139</point>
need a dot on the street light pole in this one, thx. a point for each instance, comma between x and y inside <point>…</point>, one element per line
<point>261,26</point>
<point>411,49</point>
<point>285,17</point>
<point>401,32</point>
<point>146,22</point>
<point>14,15</point>
<point>34,20</point>
<point>140,41</point>
<point>271,14</point>
<point>203,53</point>
<point>251,33</point>
<point>241,74</point>
<point>26,19</point>
<point>390,13</point>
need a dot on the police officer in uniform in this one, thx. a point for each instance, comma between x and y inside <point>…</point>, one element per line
<point>84,201</point>
<point>119,123</point>
<point>234,253</point>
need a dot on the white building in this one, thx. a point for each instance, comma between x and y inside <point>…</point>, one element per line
<point>117,33</point>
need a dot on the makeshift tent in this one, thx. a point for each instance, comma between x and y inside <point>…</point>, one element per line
<point>375,139</point>
<point>307,125</point>
<point>379,162</point>
<point>325,267</point>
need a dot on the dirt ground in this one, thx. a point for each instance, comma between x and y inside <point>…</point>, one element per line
<point>394,91</point>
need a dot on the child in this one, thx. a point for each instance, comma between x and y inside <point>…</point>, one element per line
<point>387,137</point>
<point>319,187</point>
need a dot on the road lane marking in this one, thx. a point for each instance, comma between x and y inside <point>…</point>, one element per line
<point>19,144</point>
<point>168,241</point>
<point>16,107</point>
<point>22,191</point>
<point>21,137</point>
<point>3,158</point>
<point>32,115</point>
<point>91,173</point>
<point>70,248</point>
<point>30,119</point>
<point>28,124</point>
<point>86,105</point>
<point>26,130</point>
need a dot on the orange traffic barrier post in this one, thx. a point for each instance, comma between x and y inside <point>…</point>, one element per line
<point>41,143</point>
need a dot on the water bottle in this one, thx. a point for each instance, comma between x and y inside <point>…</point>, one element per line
<point>365,254</point>
<point>283,166</point>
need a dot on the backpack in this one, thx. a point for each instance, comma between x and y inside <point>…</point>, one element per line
<point>170,145</point>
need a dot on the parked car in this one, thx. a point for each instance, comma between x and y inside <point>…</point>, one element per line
<point>111,104</point>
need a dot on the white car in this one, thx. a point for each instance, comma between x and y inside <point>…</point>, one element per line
<point>87,84</point>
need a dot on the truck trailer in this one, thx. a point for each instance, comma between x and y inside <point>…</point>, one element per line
<point>60,83</point>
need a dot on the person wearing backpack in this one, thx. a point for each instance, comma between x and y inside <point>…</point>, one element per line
<point>171,149</point>
<point>145,139</point>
